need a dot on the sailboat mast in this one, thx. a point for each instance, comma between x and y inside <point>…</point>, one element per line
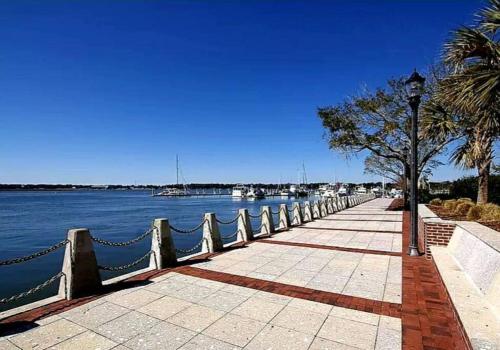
<point>177,167</point>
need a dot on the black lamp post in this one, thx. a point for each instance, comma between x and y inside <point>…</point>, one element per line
<point>414,86</point>
<point>405,177</point>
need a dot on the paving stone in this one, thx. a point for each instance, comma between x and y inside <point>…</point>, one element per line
<point>246,292</point>
<point>86,340</point>
<point>7,345</point>
<point>324,344</point>
<point>127,326</point>
<point>234,329</point>
<point>222,300</point>
<point>308,305</point>
<point>192,293</point>
<point>388,339</point>
<point>203,342</point>
<point>196,317</point>
<point>355,315</point>
<point>46,336</point>
<point>299,320</point>
<point>163,336</point>
<point>258,309</point>
<point>95,316</point>
<point>135,299</point>
<point>278,338</point>
<point>342,331</point>
<point>164,307</point>
<point>166,287</point>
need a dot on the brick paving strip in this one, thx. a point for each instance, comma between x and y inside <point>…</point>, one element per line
<point>329,247</point>
<point>427,312</point>
<point>341,300</point>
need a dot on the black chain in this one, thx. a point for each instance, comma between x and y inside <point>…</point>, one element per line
<point>35,255</point>
<point>194,229</point>
<point>122,244</point>
<point>32,290</point>
<point>127,266</point>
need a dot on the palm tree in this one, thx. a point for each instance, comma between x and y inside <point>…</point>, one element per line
<point>471,90</point>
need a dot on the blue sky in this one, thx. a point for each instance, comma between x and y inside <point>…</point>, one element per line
<point>110,91</point>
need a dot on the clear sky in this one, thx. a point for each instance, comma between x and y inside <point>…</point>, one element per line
<point>109,91</point>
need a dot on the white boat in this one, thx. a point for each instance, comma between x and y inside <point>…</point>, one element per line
<point>285,193</point>
<point>328,191</point>
<point>174,191</point>
<point>256,193</point>
<point>360,190</point>
<point>342,191</point>
<point>239,191</point>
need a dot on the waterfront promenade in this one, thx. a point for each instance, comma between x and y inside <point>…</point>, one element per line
<point>339,282</point>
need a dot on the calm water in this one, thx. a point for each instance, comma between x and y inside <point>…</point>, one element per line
<point>32,221</point>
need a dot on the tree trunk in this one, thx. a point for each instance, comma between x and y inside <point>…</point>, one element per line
<point>483,176</point>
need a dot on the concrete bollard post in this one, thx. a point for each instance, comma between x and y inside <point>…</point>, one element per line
<point>162,246</point>
<point>212,239</point>
<point>297,218</point>
<point>308,215</point>
<point>81,274</point>
<point>322,207</point>
<point>267,220</point>
<point>245,225</point>
<point>284,217</point>
<point>316,210</point>
<point>329,205</point>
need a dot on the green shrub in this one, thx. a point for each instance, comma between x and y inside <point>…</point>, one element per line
<point>450,204</point>
<point>474,213</point>
<point>436,201</point>
<point>490,212</point>
<point>463,208</point>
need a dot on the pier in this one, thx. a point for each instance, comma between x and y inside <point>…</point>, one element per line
<point>328,274</point>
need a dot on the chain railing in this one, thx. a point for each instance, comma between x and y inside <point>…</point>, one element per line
<point>122,244</point>
<point>258,230</point>
<point>191,250</point>
<point>231,236</point>
<point>32,290</point>
<point>228,222</point>
<point>189,231</point>
<point>34,255</point>
<point>127,266</point>
<point>149,232</point>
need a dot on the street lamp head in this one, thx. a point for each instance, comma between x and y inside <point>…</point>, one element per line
<point>415,85</point>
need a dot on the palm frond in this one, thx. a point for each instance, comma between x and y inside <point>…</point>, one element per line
<point>489,17</point>
<point>469,44</point>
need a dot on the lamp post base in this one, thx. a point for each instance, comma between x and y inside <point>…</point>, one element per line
<point>413,251</point>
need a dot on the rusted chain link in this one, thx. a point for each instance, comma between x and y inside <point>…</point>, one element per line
<point>122,244</point>
<point>32,290</point>
<point>194,229</point>
<point>34,255</point>
<point>187,251</point>
<point>127,266</point>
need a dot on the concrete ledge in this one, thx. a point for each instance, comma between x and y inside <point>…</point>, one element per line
<point>473,310</point>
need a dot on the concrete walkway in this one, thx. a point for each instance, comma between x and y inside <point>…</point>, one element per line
<point>335,283</point>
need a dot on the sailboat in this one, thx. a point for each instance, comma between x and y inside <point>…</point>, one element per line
<point>301,190</point>
<point>174,191</point>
